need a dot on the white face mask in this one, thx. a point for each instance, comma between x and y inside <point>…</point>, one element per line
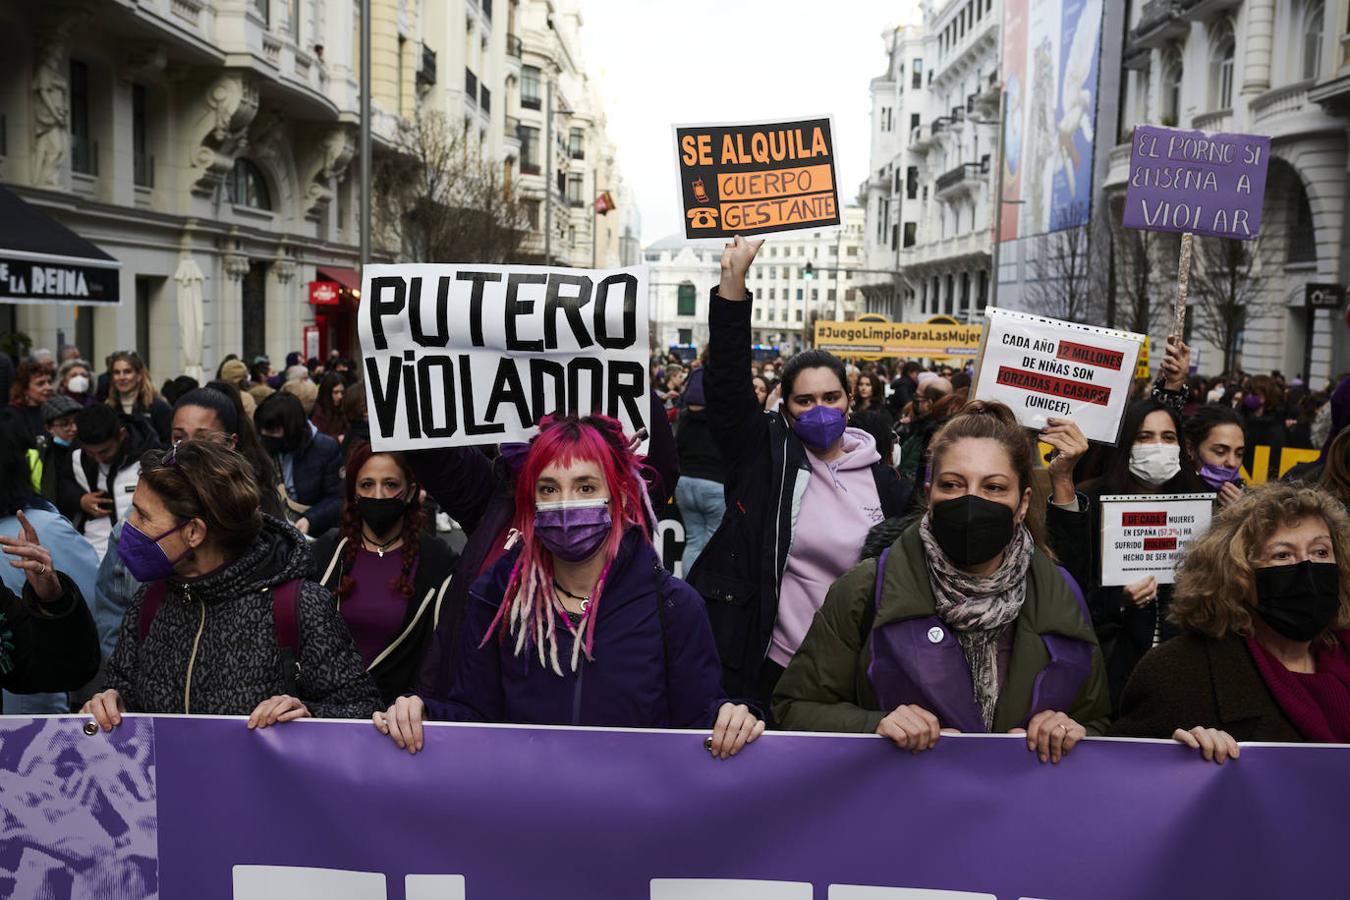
<point>1155,464</point>
<point>77,385</point>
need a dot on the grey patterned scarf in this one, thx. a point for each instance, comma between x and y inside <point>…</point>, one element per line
<point>979,609</point>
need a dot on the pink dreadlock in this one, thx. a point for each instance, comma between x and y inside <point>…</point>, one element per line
<point>529,609</point>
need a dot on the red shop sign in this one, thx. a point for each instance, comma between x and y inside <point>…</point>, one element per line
<point>324,293</point>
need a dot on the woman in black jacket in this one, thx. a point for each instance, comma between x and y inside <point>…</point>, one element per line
<point>307,462</point>
<point>1150,458</point>
<point>227,622</point>
<point>802,491</point>
<point>389,575</point>
<point>132,394</point>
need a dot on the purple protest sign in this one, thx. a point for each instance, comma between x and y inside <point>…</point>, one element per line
<point>1190,181</point>
<point>323,810</point>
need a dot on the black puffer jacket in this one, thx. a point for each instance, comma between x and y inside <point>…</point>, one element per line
<point>212,646</point>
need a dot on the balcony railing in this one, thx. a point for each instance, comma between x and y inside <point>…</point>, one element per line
<point>530,102</point>
<point>426,73</point>
<point>470,85</point>
<point>514,46</point>
<point>951,177</point>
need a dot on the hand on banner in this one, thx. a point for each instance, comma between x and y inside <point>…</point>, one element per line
<point>1143,592</point>
<point>1176,364</point>
<point>34,559</point>
<point>1229,492</point>
<point>403,722</point>
<point>1067,438</point>
<point>736,726</point>
<point>1051,735</point>
<point>106,707</point>
<point>913,728</point>
<point>736,259</point>
<point>274,710</point>
<point>1214,745</point>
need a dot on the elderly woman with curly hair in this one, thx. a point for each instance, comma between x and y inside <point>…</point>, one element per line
<point>1265,651</point>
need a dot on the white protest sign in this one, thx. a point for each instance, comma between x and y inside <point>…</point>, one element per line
<point>1143,536</point>
<point>457,355</point>
<point>1045,367</point>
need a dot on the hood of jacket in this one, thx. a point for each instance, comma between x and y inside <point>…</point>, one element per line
<point>279,553</point>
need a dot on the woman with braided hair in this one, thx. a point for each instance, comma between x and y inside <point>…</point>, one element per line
<point>388,573</point>
<point>578,623</point>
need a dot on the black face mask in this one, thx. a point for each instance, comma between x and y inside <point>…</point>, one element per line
<point>274,445</point>
<point>381,513</point>
<point>1298,601</point>
<point>972,530</point>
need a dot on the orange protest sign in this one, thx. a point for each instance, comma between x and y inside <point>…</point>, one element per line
<point>756,179</point>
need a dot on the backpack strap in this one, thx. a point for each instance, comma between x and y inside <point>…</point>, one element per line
<point>286,620</point>
<point>870,610</point>
<point>150,603</point>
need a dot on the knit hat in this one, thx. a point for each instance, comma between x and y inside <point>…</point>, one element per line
<point>234,371</point>
<point>60,405</point>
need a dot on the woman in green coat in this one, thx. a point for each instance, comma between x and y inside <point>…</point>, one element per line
<point>964,624</point>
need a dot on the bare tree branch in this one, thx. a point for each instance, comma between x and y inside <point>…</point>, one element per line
<point>1227,292</point>
<point>1066,282</point>
<point>438,199</point>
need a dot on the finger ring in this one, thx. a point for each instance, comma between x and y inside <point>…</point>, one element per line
<point>42,569</point>
<point>1065,727</point>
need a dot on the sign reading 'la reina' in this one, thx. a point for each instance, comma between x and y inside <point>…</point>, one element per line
<point>1190,181</point>
<point>756,179</point>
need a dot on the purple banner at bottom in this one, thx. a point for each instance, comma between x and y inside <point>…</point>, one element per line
<point>203,808</point>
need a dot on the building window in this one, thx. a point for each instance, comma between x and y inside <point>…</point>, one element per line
<point>248,187</point>
<point>1221,66</point>
<point>686,336</point>
<point>773,294</point>
<point>574,189</point>
<point>1171,88</point>
<point>529,150</point>
<point>912,183</point>
<point>262,8</point>
<point>1302,239</point>
<point>529,87</point>
<point>142,173</point>
<point>686,301</point>
<point>293,20</point>
<point>799,315</point>
<point>852,250</point>
<point>1312,39</point>
<point>918,74</point>
<point>81,144</point>
<point>800,294</point>
<point>576,144</point>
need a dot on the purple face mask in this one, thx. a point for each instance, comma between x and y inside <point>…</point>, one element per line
<point>144,558</point>
<point>820,426</point>
<point>572,530</point>
<point>1217,476</point>
<point>1253,401</point>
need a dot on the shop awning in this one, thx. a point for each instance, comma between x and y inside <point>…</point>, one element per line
<point>350,279</point>
<point>43,261</point>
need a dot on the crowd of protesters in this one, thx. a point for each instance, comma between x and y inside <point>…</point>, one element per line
<point>867,549</point>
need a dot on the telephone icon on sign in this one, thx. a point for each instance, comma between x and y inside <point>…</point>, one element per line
<point>702,218</point>
<point>700,192</point>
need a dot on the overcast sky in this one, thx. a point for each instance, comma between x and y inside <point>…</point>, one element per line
<point>689,61</point>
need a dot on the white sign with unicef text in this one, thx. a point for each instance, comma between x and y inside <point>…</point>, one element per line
<point>464,354</point>
<point>1043,368</point>
<point>1143,536</point>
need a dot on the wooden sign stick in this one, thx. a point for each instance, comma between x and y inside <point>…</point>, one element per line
<point>1183,285</point>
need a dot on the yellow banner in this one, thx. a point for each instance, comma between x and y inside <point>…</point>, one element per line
<point>899,339</point>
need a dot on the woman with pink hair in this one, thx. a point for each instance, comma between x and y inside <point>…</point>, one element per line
<point>578,623</point>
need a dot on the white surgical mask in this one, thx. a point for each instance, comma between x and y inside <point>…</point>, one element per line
<point>1155,464</point>
<point>78,385</point>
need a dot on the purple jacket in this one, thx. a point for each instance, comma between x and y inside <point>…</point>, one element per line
<point>480,496</point>
<point>649,671</point>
